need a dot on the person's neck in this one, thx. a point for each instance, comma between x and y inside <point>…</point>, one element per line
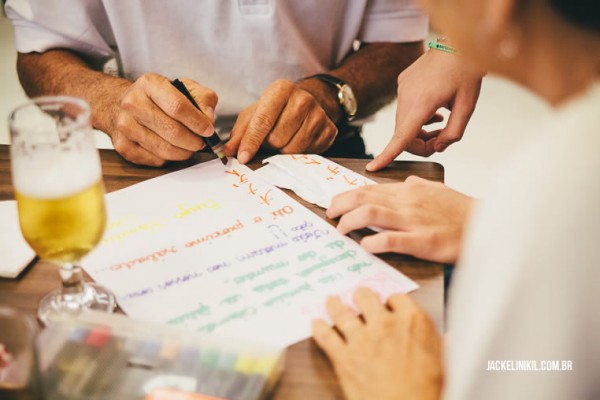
<point>561,62</point>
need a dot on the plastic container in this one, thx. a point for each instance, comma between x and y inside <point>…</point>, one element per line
<point>104,356</point>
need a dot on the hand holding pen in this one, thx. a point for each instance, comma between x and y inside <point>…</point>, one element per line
<point>150,122</point>
<point>213,140</point>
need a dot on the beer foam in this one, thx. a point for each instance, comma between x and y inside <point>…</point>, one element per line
<point>53,173</point>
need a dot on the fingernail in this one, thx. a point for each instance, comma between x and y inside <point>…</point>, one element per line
<point>244,157</point>
<point>229,152</point>
<point>209,112</point>
<point>370,166</point>
<point>208,131</point>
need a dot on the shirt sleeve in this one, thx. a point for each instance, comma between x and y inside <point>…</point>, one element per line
<point>394,21</point>
<point>81,26</point>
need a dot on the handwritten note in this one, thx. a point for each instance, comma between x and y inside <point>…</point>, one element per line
<point>312,177</point>
<point>217,250</point>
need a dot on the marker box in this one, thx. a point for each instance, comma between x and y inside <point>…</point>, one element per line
<point>111,356</point>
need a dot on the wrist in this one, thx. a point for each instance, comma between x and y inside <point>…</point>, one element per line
<point>443,44</point>
<point>444,40</point>
<point>326,95</point>
<point>105,102</point>
<point>346,98</point>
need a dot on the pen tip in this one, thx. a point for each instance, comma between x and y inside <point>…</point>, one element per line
<point>224,160</point>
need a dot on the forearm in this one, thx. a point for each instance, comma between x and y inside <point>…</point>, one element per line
<point>61,72</point>
<point>372,72</point>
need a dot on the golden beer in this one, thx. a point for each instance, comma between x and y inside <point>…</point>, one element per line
<point>65,228</point>
<point>57,178</point>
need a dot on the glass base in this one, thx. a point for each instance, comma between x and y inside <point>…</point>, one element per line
<point>57,305</point>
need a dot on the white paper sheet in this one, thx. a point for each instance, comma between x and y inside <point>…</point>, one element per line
<point>217,250</point>
<point>312,177</point>
<point>15,253</point>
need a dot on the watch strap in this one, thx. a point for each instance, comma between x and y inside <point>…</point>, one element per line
<point>329,79</point>
<point>337,82</point>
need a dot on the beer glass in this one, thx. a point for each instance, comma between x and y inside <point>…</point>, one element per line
<point>58,185</point>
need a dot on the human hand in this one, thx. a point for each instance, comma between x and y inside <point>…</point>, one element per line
<point>422,218</point>
<point>393,352</point>
<point>286,118</point>
<point>155,123</point>
<point>437,79</point>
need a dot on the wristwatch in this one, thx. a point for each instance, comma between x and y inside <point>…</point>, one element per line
<point>346,96</point>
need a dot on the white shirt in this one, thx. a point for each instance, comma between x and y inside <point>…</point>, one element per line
<point>235,47</point>
<point>528,284</point>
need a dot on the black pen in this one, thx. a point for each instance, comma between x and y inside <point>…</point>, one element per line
<point>214,142</point>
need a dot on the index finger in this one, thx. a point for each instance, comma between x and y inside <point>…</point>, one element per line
<point>347,201</point>
<point>206,98</point>
<point>263,120</point>
<point>179,108</point>
<point>407,129</point>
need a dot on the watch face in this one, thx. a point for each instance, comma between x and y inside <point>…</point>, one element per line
<point>348,100</point>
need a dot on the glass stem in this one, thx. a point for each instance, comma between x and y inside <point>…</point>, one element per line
<point>72,278</point>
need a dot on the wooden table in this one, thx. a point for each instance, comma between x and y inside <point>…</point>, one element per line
<point>307,373</point>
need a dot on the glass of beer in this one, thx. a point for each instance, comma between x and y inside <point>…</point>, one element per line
<point>57,179</point>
